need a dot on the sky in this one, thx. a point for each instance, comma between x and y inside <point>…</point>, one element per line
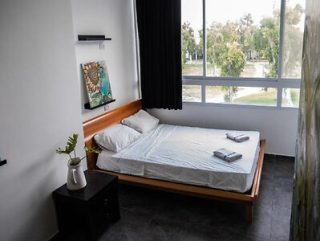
<point>232,10</point>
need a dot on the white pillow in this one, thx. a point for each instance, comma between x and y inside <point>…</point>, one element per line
<point>142,121</point>
<point>116,137</point>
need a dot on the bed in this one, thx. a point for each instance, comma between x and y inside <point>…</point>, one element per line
<point>210,177</point>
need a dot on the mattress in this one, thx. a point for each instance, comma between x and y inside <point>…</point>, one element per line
<point>185,155</point>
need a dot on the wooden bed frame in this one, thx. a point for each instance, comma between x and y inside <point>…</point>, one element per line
<point>92,126</point>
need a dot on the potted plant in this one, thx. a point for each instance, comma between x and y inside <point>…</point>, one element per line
<point>75,179</point>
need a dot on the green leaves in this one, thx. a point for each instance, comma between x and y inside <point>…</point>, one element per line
<point>74,161</point>
<point>71,145</point>
<point>96,150</point>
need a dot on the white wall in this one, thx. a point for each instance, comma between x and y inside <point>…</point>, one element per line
<point>114,19</point>
<point>277,126</point>
<point>39,109</point>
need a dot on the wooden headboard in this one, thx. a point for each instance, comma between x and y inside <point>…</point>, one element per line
<point>93,126</point>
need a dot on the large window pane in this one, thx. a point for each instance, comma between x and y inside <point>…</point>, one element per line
<point>242,41</point>
<point>191,21</point>
<point>241,95</point>
<point>290,97</point>
<point>293,35</point>
<point>217,94</point>
<point>191,93</point>
<point>242,38</point>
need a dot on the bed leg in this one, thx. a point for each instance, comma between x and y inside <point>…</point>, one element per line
<point>249,212</point>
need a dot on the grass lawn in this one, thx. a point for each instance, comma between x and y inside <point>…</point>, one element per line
<point>263,98</point>
<point>213,91</point>
<point>191,93</point>
<point>192,69</point>
<point>251,69</point>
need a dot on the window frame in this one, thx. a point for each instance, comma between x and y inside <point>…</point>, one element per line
<point>278,83</point>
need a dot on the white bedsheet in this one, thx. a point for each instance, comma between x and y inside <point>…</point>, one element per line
<point>185,154</point>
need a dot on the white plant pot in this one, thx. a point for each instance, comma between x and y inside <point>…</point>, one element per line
<point>76,179</point>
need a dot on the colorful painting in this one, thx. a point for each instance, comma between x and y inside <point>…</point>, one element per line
<point>97,83</point>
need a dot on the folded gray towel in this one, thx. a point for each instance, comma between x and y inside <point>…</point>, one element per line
<point>237,137</point>
<point>227,155</point>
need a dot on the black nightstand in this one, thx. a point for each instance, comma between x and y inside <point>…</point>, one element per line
<point>89,210</point>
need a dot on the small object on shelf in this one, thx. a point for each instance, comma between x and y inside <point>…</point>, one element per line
<point>89,210</point>
<point>87,105</point>
<point>92,38</point>
<point>3,162</point>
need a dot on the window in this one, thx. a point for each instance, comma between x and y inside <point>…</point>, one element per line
<point>242,95</point>
<point>191,93</point>
<point>192,54</point>
<point>238,42</point>
<point>290,97</point>
<point>293,35</point>
<point>242,52</point>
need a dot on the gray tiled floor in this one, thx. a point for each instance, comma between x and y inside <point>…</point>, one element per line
<point>158,216</point>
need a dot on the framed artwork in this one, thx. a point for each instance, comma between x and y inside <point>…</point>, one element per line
<point>97,83</point>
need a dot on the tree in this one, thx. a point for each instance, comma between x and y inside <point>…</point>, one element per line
<point>225,52</point>
<point>292,54</point>
<point>188,42</point>
<point>200,45</point>
<point>230,44</point>
<point>222,48</point>
<point>233,61</point>
<point>245,31</point>
<point>266,42</point>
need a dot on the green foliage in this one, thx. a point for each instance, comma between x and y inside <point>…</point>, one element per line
<point>96,150</point>
<point>74,161</point>
<point>70,148</point>
<point>233,61</point>
<point>230,44</point>
<point>266,42</point>
<point>188,42</point>
<point>223,49</point>
<point>245,31</point>
<point>293,15</point>
<point>71,145</point>
<point>292,54</point>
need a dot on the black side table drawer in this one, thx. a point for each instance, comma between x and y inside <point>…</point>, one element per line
<point>104,209</point>
<point>90,210</point>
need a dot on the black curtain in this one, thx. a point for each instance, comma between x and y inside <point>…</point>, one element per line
<point>159,26</point>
